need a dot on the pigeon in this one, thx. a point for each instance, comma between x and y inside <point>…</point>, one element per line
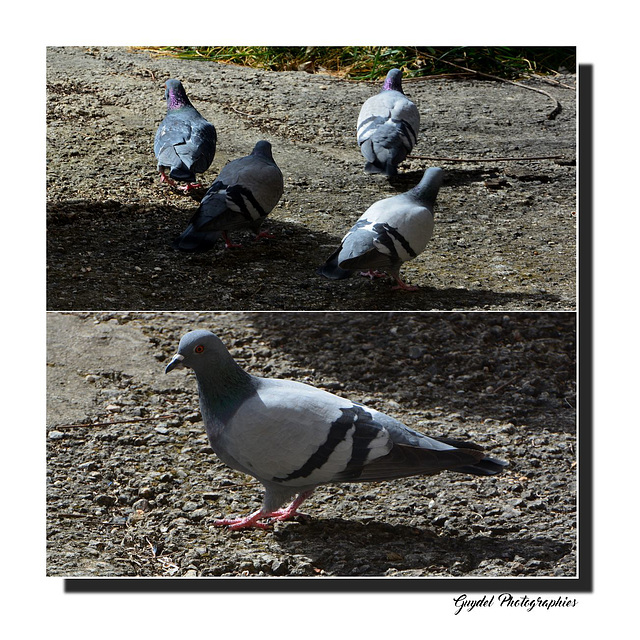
<point>185,142</point>
<point>387,127</point>
<point>244,193</point>
<point>293,437</point>
<point>390,232</point>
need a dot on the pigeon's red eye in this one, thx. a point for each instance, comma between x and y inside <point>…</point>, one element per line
<point>199,349</point>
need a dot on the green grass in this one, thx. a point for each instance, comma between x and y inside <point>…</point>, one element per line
<point>372,63</point>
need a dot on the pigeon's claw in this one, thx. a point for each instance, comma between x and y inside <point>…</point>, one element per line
<point>165,178</point>
<point>373,274</point>
<point>404,286</point>
<point>227,242</point>
<point>253,519</point>
<point>189,187</point>
<point>244,523</point>
<point>264,234</point>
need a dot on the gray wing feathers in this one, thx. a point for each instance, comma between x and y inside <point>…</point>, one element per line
<point>245,192</point>
<point>387,131</point>
<point>186,143</point>
<point>294,435</point>
<point>389,233</point>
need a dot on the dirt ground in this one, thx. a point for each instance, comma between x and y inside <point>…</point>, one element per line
<point>505,231</point>
<point>132,484</point>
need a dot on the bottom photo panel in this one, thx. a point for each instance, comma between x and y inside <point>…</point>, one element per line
<point>262,446</point>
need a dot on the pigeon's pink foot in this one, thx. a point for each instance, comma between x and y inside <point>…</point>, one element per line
<point>292,510</point>
<point>244,523</point>
<point>404,286</point>
<point>227,242</point>
<point>165,178</point>
<point>252,520</point>
<point>373,274</point>
<point>188,187</point>
<point>264,234</point>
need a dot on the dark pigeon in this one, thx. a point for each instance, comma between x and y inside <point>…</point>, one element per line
<point>293,437</point>
<point>245,192</point>
<point>388,127</point>
<point>389,233</point>
<point>185,142</point>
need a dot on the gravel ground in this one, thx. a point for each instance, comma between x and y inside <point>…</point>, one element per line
<point>132,484</point>
<point>505,231</point>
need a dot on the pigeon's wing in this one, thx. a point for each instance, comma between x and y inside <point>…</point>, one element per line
<point>387,130</point>
<point>390,232</point>
<point>260,179</point>
<point>245,192</point>
<point>331,268</point>
<point>389,107</point>
<point>173,133</point>
<point>296,435</point>
<point>291,433</point>
<point>252,188</point>
<point>201,146</point>
<point>365,247</point>
<point>186,142</point>
<point>413,453</point>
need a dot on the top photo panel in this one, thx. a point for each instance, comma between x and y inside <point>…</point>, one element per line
<point>311,178</point>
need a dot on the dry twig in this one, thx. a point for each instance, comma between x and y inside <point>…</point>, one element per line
<point>550,116</point>
<point>482,159</point>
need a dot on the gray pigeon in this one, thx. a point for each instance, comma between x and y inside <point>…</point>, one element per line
<point>293,437</point>
<point>390,232</point>
<point>388,127</point>
<point>185,142</point>
<point>245,192</point>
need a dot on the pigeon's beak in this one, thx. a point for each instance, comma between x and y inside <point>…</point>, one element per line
<point>176,363</point>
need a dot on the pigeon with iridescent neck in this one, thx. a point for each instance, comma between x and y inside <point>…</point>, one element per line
<point>390,232</point>
<point>293,437</point>
<point>185,142</point>
<point>387,127</point>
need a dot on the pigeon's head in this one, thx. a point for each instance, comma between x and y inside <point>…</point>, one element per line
<point>393,81</point>
<point>175,95</point>
<point>262,148</point>
<point>199,350</point>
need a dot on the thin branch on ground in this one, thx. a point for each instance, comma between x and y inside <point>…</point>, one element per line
<point>550,116</point>
<point>481,159</point>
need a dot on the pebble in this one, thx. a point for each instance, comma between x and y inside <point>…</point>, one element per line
<point>105,500</point>
<point>142,505</point>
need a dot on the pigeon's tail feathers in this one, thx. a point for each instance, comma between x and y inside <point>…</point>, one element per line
<point>388,168</point>
<point>407,460</point>
<point>485,467</point>
<point>182,173</point>
<point>331,269</point>
<point>381,157</point>
<point>196,241</point>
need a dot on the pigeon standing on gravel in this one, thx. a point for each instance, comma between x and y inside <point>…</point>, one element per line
<point>245,192</point>
<point>293,437</point>
<point>185,142</point>
<point>389,233</point>
<point>388,127</point>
